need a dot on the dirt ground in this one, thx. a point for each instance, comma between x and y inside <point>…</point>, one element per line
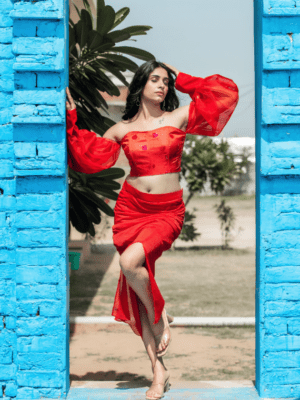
<point>114,352</point>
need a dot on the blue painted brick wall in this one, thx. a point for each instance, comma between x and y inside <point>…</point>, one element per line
<point>8,337</point>
<point>33,187</point>
<point>278,274</point>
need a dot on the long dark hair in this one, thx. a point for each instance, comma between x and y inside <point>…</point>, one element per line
<point>138,83</point>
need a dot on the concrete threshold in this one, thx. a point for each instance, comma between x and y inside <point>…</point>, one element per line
<point>193,390</point>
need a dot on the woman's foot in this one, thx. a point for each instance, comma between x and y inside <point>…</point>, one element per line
<point>163,338</point>
<point>160,383</point>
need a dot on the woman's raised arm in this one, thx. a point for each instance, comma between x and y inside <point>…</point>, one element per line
<point>213,101</point>
<point>87,152</point>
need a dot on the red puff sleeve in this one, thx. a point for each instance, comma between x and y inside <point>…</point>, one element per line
<point>87,152</point>
<point>214,100</point>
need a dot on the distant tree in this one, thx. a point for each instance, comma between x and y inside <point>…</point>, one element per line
<point>227,218</point>
<point>205,160</point>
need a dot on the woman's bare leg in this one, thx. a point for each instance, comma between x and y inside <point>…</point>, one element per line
<point>160,373</point>
<point>137,276</point>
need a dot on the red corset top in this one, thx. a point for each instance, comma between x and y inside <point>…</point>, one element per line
<point>154,152</point>
<point>157,151</point>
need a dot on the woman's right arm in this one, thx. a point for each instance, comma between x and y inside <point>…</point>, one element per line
<point>87,152</point>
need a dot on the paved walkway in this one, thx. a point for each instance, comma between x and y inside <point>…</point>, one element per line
<point>205,390</point>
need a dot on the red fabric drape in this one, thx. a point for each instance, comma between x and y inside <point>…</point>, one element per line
<point>214,100</point>
<point>87,152</point>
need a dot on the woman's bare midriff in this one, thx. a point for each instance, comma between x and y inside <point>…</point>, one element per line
<point>155,184</point>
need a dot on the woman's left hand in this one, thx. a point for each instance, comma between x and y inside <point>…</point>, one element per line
<point>175,70</point>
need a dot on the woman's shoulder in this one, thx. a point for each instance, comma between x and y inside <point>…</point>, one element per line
<point>117,131</point>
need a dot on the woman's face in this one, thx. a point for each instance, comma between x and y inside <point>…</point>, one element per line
<point>156,87</point>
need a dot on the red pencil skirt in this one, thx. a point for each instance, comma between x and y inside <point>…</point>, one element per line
<point>155,220</point>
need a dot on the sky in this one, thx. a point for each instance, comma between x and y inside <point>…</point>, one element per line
<point>201,38</point>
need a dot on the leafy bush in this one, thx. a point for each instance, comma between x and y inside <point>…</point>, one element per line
<point>93,53</point>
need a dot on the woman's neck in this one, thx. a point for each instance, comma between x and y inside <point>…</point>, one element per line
<point>149,112</point>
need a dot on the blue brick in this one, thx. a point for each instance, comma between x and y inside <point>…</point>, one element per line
<point>51,308</point>
<point>39,219</point>
<point>7,256</point>
<point>38,326</point>
<point>11,389</point>
<point>6,132</point>
<point>50,29</point>
<point>274,79</point>
<point>7,271</point>
<point>41,133</point>
<point>6,67</point>
<point>284,291</point>
<point>40,379</point>
<point>6,100</point>
<point>39,10</point>
<point>282,308</point>
<point>6,150</point>
<point>11,322</point>
<point>6,51</point>
<point>6,116</point>
<point>6,5</point>
<point>281,7</point>
<point>40,361</point>
<point>39,256</point>
<point>6,35</point>
<point>7,372</point>
<point>25,393</point>
<point>45,97</point>
<point>40,184</point>
<point>282,343</point>
<point>7,339</point>
<point>293,326</point>
<point>6,83</point>
<point>49,80</point>
<point>40,344</point>
<point>282,376</point>
<point>279,257</point>
<point>25,110</point>
<point>25,149</point>
<point>39,202</point>
<point>37,274</point>
<point>5,19</point>
<point>294,79</point>
<point>7,202</point>
<point>6,355</point>
<point>25,80</point>
<point>25,27</point>
<point>39,238</point>
<point>7,306</point>
<point>8,186</point>
<point>8,289</point>
<point>32,292</point>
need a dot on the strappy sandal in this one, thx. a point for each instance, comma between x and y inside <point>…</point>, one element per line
<point>165,336</point>
<point>166,387</point>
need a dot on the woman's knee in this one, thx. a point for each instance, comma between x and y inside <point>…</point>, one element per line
<point>132,257</point>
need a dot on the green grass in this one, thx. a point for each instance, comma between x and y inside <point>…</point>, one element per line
<point>208,282</point>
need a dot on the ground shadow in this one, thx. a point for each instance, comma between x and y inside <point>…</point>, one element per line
<point>124,377</point>
<point>85,282</point>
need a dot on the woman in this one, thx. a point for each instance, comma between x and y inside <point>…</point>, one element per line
<point>149,212</point>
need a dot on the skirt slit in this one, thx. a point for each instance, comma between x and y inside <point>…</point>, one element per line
<point>155,220</point>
